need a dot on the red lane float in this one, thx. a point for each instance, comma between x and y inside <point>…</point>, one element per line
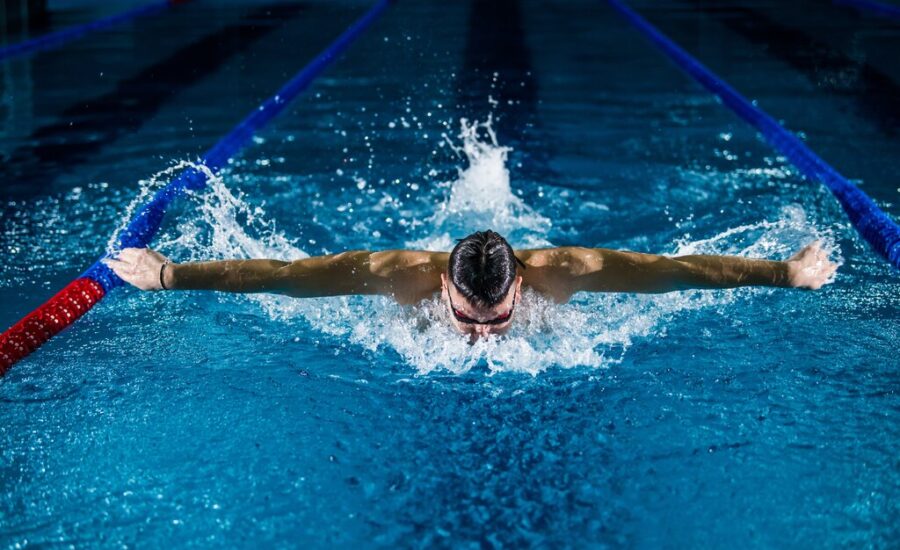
<point>60,311</point>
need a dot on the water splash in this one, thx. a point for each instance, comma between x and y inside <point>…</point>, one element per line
<point>481,196</point>
<point>227,226</point>
<point>594,330</point>
<point>765,239</point>
<point>224,225</point>
<point>148,188</point>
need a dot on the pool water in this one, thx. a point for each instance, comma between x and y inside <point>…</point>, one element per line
<point>755,417</point>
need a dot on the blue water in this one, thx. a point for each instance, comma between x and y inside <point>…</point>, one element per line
<point>755,417</point>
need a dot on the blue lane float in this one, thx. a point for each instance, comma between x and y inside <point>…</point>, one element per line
<point>870,221</point>
<point>91,287</point>
<point>56,39</point>
<point>877,8</point>
<point>146,221</point>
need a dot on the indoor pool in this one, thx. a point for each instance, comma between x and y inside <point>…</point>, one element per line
<point>753,417</point>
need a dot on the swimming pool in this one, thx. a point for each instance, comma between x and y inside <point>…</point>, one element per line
<point>756,417</point>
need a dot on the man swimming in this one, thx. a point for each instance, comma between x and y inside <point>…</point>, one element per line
<point>480,280</point>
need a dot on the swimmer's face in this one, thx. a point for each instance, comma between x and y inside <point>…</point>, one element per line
<point>465,310</point>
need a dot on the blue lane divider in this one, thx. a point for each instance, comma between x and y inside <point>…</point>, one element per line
<point>879,8</point>
<point>146,221</point>
<point>870,221</point>
<point>63,36</point>
<point>82,294</point>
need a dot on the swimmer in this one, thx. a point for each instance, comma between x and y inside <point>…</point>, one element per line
<point>480,280</point>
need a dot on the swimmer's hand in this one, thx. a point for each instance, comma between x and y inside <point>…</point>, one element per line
<point>810,268</point>
<point>140,267</point>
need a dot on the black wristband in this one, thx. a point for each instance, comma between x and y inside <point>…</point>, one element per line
<point>162,270</point>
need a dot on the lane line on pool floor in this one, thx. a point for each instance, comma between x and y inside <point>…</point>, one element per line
<point>874,92</point>
<point>870,6</point>
<point>64,36</point>
<point>83,129</point>
<point>79,296</point>
<point>870,221</point>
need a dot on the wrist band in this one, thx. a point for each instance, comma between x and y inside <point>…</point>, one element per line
<point>162,270</point>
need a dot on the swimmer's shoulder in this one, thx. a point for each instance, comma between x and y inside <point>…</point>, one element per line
<point>425,262</point>
<point>411,275</point>
<point>566,257</point>
<point>553,271</point>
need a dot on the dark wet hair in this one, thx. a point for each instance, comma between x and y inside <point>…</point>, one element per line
<point>483,268</point>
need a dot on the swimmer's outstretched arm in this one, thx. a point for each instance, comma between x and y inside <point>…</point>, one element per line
<point>406,275</point>
<point>573,269</point>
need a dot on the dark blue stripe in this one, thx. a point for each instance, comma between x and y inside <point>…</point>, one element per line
<point>875,7</point>
<point>869,220</point>
<point>147,220</point>
<point>876,94</point>
<point>497,62</point>
<point>56,39</point>
<point>83,129</point>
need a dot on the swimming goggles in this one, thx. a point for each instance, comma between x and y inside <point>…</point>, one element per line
<point>495,321</point>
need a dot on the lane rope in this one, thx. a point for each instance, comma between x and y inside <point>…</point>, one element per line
<point>79,296</point>
<point>58,38</point>
<point>870,221</point>
<point>878,8</point>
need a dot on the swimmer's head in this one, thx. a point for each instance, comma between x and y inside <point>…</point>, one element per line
<point>481,285</point>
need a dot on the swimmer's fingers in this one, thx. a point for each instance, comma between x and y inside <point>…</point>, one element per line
<point>810,268</point>
<point>118,266</point>
<point>813,249</point>
<point>131,274</point>
<point>830,272</point>
<point>816,274</point>
<point>122,269</point>
<point>123,261</point>
<point>826,267</point>
<point>130,255</point>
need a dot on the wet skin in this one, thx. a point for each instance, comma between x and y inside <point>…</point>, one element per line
<point>410,276</point>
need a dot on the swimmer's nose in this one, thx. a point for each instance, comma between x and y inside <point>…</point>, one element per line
<point>480,331</point>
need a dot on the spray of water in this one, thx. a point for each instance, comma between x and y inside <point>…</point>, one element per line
<point>481,196</point>
<point>594,330</point>
<point>148,188</point>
